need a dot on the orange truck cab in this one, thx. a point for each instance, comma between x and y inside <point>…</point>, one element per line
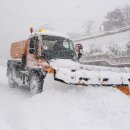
<point>30,58</point>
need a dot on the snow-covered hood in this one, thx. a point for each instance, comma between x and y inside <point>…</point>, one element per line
<point>63,63</point>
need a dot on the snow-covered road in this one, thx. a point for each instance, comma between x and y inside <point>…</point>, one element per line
<point>61,107</point>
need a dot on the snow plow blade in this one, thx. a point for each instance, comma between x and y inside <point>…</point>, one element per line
<point>82,77</point>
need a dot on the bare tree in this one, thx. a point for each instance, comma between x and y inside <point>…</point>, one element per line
<point>88,26</point>
<point>115,50</point>
<point>93,49</point>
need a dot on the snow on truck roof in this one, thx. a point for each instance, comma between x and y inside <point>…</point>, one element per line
<point>49,33</point>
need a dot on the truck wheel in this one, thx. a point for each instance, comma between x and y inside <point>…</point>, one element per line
<point>11,80</point>
<point>36,83</point>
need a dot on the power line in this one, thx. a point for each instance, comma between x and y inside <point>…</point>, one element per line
<point>40,19</point>
<point>16,15</point>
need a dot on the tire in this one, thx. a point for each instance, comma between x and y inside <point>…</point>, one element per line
<point>36,83</point>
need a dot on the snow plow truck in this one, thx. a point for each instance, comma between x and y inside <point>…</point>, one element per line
<point>54,53</point>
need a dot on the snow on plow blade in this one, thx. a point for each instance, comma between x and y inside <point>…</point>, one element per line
<point>101,78</point>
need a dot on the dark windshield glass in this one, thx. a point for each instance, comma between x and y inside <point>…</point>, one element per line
<point>57,47</point>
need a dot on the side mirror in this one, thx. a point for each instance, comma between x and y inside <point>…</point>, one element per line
<point>31,51</point>
<point>33,45</point>
<point>79,50</point>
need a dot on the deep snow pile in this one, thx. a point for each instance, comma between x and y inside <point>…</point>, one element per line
<point>62,107</point>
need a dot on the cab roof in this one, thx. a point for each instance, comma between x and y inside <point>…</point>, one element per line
<point>49,33</point>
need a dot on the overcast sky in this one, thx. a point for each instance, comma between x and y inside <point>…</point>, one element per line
<point>16,16</point>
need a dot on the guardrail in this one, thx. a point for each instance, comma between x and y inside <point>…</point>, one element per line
<point>106,60</point>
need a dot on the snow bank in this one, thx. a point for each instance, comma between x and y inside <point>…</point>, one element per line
<point>103,43</point>
<point>63,107</point>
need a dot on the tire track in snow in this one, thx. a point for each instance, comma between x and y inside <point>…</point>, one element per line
<point>12,105</point>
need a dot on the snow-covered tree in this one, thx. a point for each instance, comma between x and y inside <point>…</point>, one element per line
<point>126,12</point>
<point>117,18</point>
<point>128,48</point>
<point>114,19</point>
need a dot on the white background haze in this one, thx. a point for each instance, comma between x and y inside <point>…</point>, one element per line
<point>16,16</point>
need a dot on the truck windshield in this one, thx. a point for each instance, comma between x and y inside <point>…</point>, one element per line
<point>57,47</point>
